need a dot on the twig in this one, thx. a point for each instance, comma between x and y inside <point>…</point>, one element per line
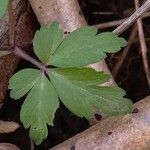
<point>103,13</point>
<point>139,12</point>
<point>143,45</point>
<point>19,52</point>
<point>124,53</point>
<point>110,24</point>
<point>117,22</point>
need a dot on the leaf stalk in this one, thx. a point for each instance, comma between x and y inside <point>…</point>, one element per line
<point>17,51</point>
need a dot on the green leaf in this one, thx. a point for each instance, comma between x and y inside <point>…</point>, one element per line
<point>39,108</point>
<point>84,99</point>
<point>3,7</point>
<point>46,41</point>
<point>83,47</point>
<point>83,75</point>
<point>22,82</point>
<point>112,101</point>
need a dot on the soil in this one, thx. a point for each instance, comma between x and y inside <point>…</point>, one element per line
<point>131,77</point>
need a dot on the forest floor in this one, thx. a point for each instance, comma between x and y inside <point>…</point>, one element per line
<point>130,75</point>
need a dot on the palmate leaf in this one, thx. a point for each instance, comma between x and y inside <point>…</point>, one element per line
<point>3,7</point>
<point>40,104</point>
<point>84,99</point>
<point>39,109</point>
<point>46,41</point>
<point>22,82</point>
<point>83,47</point>
<point>79,89</point>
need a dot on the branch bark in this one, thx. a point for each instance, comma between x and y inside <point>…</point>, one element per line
<point>130,132</point>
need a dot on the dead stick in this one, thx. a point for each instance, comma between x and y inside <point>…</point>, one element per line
<point>117,22</point>
<point>124,53</point>
<point>143,45</point>
<point>139,12</point>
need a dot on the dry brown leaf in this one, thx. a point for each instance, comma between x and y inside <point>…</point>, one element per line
<point>8,126</point>
<point>8,146</point>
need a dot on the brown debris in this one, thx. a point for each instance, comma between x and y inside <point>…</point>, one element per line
<point>8,146</point>
<point>24,32</point>
<point>8,126</point>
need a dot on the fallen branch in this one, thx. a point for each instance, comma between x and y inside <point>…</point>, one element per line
<point>130,132</point>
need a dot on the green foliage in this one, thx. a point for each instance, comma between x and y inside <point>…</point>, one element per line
<point>3,7</point>
<point>83,47</point>
<point>40,104</point>
<point>80,89</point>
<point>39,108</point>
<point>82,75</point>
<point>22,82</point>
<point>80,93</point>
<point>46,41</point>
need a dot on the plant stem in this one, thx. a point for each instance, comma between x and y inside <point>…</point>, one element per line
<point>17,51</point>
